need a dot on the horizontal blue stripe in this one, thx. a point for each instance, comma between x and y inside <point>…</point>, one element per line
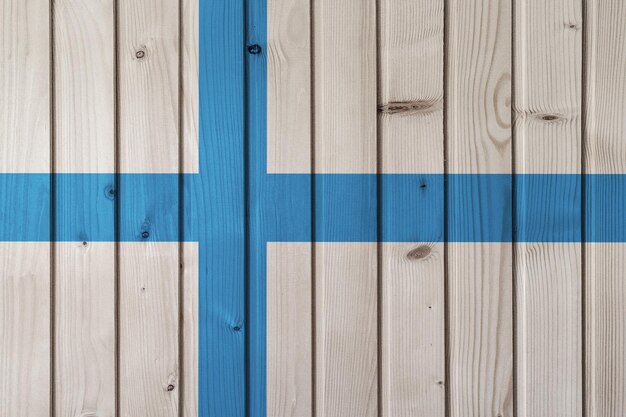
<point>548,207</point>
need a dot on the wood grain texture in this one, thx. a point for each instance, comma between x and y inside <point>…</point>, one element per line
<point>190,103</point>
<point>411,137</point>
<point>85,271</point>
<point>345,86</point>
<point>25,344</point>
<point>148,86</point>
<point>549,329</point>
<point>288,87</point>
<point>346,340</point>
<point>85,329</point>
<point>413,351</point>
<point>148,334</point>
<point>25,85</point>
<point>605,262</point>
<point>84,89</point>
<point>190,329</point>
<point>289,330</point>
<point>548,65</point>
<point>480,274</point>
<point>411,86</point>
<point>25,328</point>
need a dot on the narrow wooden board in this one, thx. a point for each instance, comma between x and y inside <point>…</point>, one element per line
<point>25,329</point>
<point>480,274</point>
<point>548,64</point>
<point>411,141</point>
<point>288,87</point>
<point>605,262</point>
<point>25,320</point>
<point>190,310</point>
<point>289,330</point>
<point>413,351</point>
<point>85,271</point>
<point>148,333</point>
<point>190,21</point>
<point>346,327</point>
<point>149,142</point>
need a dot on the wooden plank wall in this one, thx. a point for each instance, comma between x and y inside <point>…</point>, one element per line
<point>513,98</point>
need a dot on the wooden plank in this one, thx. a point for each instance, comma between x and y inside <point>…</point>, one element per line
<point>25,81</point>
<point>480,273</point>
<point>149,271</point>
<point>25,267</point>
<point>85,329</point>
<point>289,361</point>
<point>345,273</point>
<point>288,87</point>
<point>345,86</point>
<point>148,86</point>
<point>25,329</point>
<point>289,330</point>
<point>605,262</point>
<point>190,329</point>
<point>346,340</point>
<point>148,333</point>
<point>411,136</point>
<point>413,351</point>
<point>190,21</point>
<point>548,45</point>
<point>85,270</point>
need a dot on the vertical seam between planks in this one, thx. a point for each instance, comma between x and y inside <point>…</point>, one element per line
<point>246,203</point>
<point>379,225</point>
<point>116,202</point>
<point>583,208</point>
<point>313,223</point>
<point>52,248</point>
<point>181,231</point>
<point>446,268</point>
<point>514,283</point>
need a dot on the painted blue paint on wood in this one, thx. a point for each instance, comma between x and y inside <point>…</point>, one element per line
<point>25,207</point>
<point>215,210</point>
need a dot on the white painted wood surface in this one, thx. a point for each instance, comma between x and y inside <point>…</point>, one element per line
<point>25,329</point>
<point>412,274</point>
<point>605,262</point>
<point>25,341</point>
<point>548,64</point>
<point>480,274</point>
<point>85,271</point>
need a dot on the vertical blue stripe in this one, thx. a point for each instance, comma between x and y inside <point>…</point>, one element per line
<point>217,212</point>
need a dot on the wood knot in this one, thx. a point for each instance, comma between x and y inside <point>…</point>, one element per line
<point>170,387</point>
<point>406,108</point>
<point>550,117</point>
<point>140,53</point>
<point>572,25</point>
<point>420,252</point>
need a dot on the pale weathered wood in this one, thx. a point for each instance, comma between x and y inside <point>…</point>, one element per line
<point>25,85</point>
<point>288,87</point>
<point>190,329</point>
<point>148,333</point>
<point>84,89</point>
<point>346,340</point>
<point>606,154</point>
<point>149,86</point>
<point>149,271</point>
<point>25,329</point>
<point>25,344</point>
<point>411,86</point>
<point>289,330</point>
<point>548,63</point>
<point>411,136</point>
<point>480,274</point>
<point>345,86</point>
<point>85,271</point>
<point>289,268</point>
<point>85,329</point>
<point>190,77</point>
<point>345,273</point>
<point>413,351</point>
